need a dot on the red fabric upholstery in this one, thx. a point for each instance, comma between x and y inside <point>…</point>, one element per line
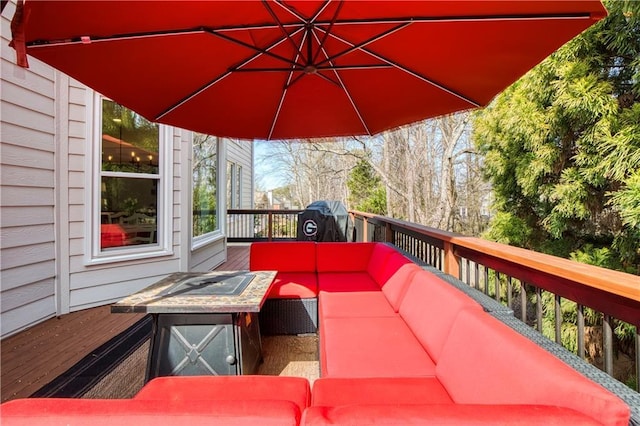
<point>100,412</point>
<point>343,257</point>
<point>516,371</point>
<point>228,388</point>
<point>346,281</point>
<point>396,286</point>
<point>430,307</point>
<point>376,266</point>
<point>382,272</point>
<point>371,347</point>
<point>359,304</point>
<point>294,285</point>
<point>445,415</point>
<point>283,256</point>
<point>333,392</point>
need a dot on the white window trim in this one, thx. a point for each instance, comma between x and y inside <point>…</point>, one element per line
<point>93,167</point>
<point>218,234</point>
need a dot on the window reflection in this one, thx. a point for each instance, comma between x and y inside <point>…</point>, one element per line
<point>205,182</point>
<point>129,141</point>
<point>129,212</point>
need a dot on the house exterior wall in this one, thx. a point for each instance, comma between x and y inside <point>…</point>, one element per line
<point>46,123</point>
<point>27,191</point>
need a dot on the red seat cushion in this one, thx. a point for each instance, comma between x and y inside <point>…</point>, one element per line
<point>514,370</point>
<point>346,281</point>
<point>332,392</point>
<point>283,256</point>
<point>430,306</point>
<point>357,304</point>
<point>109,412</point>
<point>371,347</point>
<point>223,388</point>
<point>294,285</point>
<point>445,414</point>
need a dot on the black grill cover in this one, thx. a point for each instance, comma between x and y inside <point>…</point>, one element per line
<point>325,221</point>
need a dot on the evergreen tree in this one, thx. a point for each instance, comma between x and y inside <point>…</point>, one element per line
<point>366,192</point>
<point>562,148</point>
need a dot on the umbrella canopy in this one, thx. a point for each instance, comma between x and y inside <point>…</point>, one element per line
<point>295,69</point>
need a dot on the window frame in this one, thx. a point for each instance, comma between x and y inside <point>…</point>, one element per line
<point>93,159</point>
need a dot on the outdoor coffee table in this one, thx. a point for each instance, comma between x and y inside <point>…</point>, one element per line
<point>204,323</point>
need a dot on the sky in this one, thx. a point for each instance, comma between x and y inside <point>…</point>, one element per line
<point>268,174</point>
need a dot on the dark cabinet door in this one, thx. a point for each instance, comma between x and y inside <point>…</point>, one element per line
<point>193,345</point>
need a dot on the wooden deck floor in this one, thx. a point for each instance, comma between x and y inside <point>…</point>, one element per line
<point>33,358</point>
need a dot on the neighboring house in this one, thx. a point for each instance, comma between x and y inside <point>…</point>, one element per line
<point>96,202</point>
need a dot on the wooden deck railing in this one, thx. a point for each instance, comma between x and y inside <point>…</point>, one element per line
<point>261,225</point>
<point>519,278</point>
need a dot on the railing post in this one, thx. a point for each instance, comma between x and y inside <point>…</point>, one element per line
<point>365,230</point>
<point>451,261</point>
<point>270,226</point>
<point>388,233</point>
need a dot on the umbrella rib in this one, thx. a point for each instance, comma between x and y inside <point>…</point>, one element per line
<point>364,43</point>
<point>152,34</point>
<point>346,91</point>
<point>284,31</point>
<point>410,72</point>
<point>257,49</point>
<point>326,35</point>
<point>219,78</point>
<point>130,36</point>
<point>286,87</point>
<point>453,18</point>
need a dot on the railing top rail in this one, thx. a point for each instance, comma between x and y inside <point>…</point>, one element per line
<point>263,211</point>
<point>620,283</point>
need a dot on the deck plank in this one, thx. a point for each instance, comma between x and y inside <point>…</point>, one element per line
<point>31,359</point>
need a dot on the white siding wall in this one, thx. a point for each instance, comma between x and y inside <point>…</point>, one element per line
<point>45,125</point>
<point>27,176</point>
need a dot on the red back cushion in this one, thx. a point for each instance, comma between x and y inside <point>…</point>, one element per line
<point>429,307</point>
<point>486,362</point>
<point>343,257</point>
<point>283,256</point>
<point>379,256</point>
<point>159,412</point>
<point>397,285</point>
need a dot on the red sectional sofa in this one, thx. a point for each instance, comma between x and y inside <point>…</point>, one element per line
<point>398,346</point>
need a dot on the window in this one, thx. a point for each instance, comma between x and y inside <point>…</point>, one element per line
<point>130,182</point>
<point>205,184</point>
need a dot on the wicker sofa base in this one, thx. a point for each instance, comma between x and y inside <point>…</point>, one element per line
<point>289,316</point>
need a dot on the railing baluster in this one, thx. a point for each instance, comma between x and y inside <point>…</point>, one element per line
<point>580,325</point>
<point>509,292</point>
<point>607,334</point>
<point>637,348</point>
<point>523,302</point>
<point>486,281</point>
<point>558,318</point>
<point>539,308</point>
<point>498,296</point>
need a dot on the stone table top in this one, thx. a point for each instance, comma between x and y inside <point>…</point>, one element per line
<point>166,297</point>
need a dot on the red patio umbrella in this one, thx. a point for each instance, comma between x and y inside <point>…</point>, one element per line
<point>295,69</point>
